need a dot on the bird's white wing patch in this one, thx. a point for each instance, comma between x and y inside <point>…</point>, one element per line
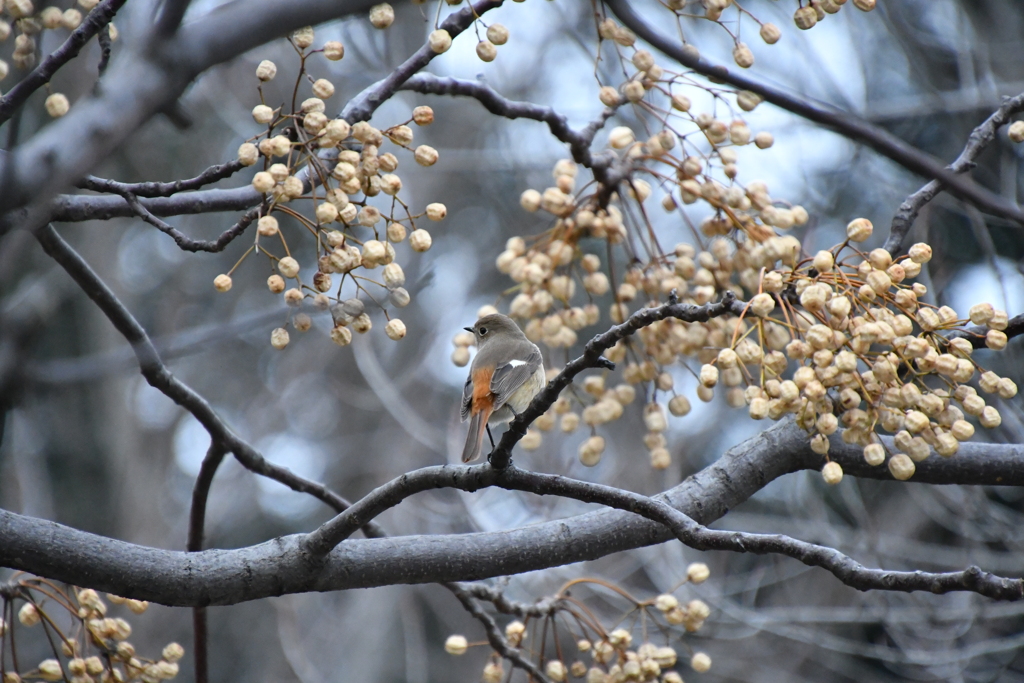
<point>516,363</point>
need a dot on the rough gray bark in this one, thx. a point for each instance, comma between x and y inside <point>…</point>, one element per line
<point>281,566</point>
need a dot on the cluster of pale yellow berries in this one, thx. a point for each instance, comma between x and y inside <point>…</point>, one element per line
<point>548,269</point>
<point>700,165</point>
<point>614,657</point>
<point>809,15</point>
<point>852,324</point>
<point>23,16</point>
<point>114,661</point>
<point>869,356</point>
<point>340,167</point>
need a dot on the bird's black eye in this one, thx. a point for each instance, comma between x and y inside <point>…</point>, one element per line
<point>483,331</point>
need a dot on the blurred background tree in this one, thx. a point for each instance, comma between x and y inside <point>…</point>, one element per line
<point>88,443</point>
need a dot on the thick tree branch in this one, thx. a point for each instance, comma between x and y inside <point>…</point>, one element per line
<point>982,464</point>
<point>844,123</point>
<point>980,138</point>
<point>222,440</point>
<point>171,14</point>
<point>697,536</point>
<point>74,208</point>
<point>501,456</point>
<point>303,569</point>
<point>98,18</point>
<point>282,566</point>
<point>682,526</point>
<point>234,28</point>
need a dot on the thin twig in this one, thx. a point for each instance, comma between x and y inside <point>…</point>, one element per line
<point>157,189</point>
<point>494,634</point>
<point>542,608</point>
<point>196,522</point>
<point>159,377</point>
<point>579,141</point>
<point>980,138</point>
<point>362,106</point>
<point>501,456</point>
<point>608,170</point>
<point>106,44</point>
<point>99,17</point>
<point>185,242</point>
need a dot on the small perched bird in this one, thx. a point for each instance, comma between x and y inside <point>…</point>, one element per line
<point>506,374</point>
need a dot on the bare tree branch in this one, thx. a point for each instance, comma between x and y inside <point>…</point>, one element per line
<point>280,566</point>
<point>106,45</point>
<point>185,242</point>
<point>606,170</point>
<point>97,19</point>
<point>844,123</point>
<point>156,189</point>
<point>494,634</point>
<point>697,536</point>
<point>542,608</point>
<point>196,522</point>
<point>234,28</point>
<point>362,106</point>
<point>579,141</point>
<point>980,138</point>
<point>141,85</point>
<point>158,376</point>
<point>171,14</point>
<point>473,478</point>
<point>683,527</point>
<point>74,208</point>
<point>501,456</point>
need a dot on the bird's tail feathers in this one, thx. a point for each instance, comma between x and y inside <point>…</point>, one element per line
<point>475,437</point>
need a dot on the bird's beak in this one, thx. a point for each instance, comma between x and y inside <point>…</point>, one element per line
<point>468,329</point>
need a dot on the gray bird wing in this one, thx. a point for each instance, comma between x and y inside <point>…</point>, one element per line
<point>510,376</point>
<point>467,397</point>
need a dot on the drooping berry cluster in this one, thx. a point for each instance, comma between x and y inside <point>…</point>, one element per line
<point>87,644</point>
<point>331,177</point>
<point>614,655</point>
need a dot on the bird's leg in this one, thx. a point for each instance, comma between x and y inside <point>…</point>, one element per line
<point>515,415</point>
<point>490,436</point>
